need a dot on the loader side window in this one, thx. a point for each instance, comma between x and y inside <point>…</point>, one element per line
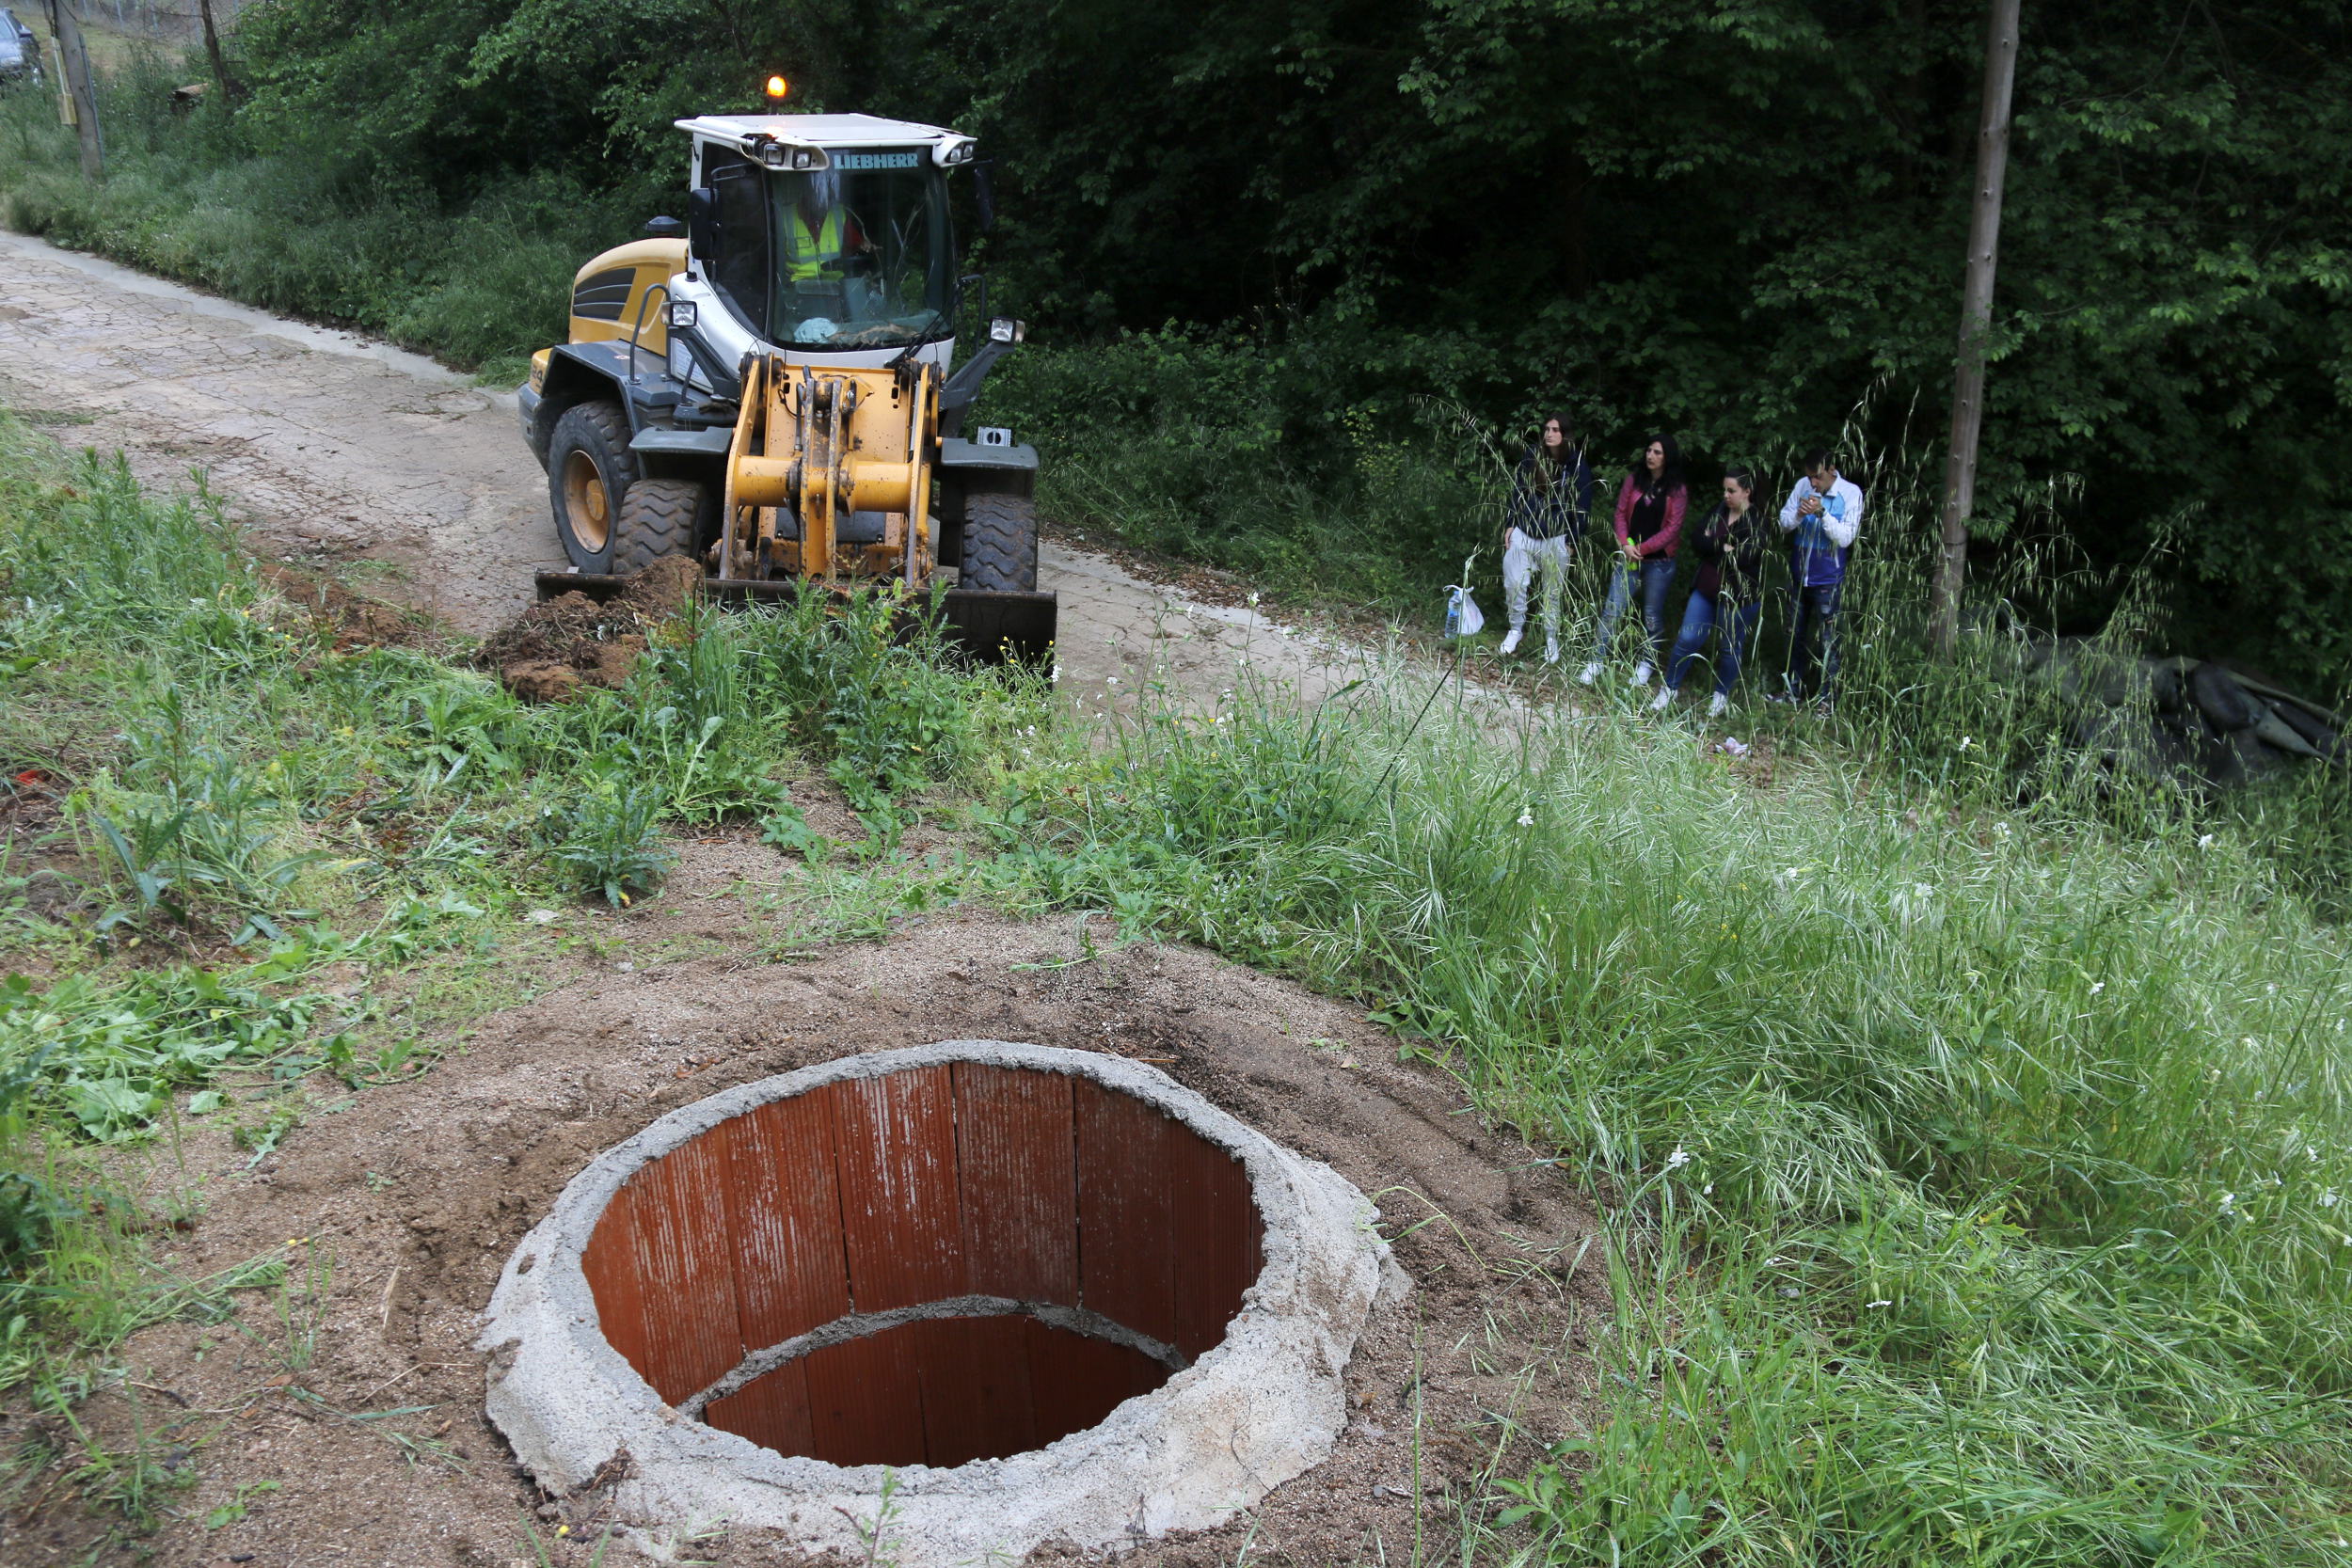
<point>740,270</point>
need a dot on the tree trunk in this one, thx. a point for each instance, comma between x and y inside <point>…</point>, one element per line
<point>229,88</point>
<point>1975,320</point>
<point>81,93</point>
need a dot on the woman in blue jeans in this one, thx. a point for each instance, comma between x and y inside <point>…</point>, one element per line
<point>1729,592</point>
<point>1650,504</point>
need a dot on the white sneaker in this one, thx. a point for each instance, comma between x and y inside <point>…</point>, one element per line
<point>1590,674</point>
<point>1642,672</point>
<point>1663,701</point>
<point>1552,650</point>
<point>1510,643</point>
<point>1718,705</point>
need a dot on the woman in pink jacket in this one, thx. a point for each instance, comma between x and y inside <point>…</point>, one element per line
<point>1650,504</point>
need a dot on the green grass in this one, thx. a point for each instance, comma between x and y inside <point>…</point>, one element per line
<point>1974,1135</point>
<point>1978,1182</point>
<point>243,802</point>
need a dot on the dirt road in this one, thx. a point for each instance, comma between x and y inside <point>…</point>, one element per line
<point>334,448</point>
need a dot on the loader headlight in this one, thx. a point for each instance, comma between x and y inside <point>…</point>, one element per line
<point>950,154</point>
<point>681,314</point>
<point>1004,329</point>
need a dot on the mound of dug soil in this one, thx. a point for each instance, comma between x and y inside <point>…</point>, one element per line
<point>562,645</point>
<point>367,1447</point>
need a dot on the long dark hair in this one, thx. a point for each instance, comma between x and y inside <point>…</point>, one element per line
<point>1547,468</point>
<point>1670,479</point>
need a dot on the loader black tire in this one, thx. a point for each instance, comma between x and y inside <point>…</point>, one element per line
<point>999,544</point>
<point>590,472</point>
<point>657,517</point>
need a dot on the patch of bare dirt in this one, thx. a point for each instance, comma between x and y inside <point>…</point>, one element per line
<point>357,620</point>
<point>415,1191</point>
<point>562,645</point>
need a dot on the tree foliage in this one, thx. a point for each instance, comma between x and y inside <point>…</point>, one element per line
<point>1736,219</point>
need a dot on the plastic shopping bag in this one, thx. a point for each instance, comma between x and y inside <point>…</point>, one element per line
<point>1462,617</point>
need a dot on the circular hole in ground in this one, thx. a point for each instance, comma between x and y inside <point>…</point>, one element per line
<point>934,1265</point>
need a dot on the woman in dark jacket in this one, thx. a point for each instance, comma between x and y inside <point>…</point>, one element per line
<point>1730,591</point>
<point>1551,495</point>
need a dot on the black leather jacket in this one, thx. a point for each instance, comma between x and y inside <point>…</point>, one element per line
<point>1731,555</point>
<point>1559,508</point>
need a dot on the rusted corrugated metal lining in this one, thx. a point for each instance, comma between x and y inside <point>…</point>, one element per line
<point>873,1194</point>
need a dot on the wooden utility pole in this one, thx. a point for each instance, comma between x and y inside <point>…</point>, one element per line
<point>1976,321</point>
<point>80,92</point>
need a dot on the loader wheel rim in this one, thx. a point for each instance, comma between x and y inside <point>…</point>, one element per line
<point>587,501</point>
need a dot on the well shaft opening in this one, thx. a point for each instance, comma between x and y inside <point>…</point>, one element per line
<point>762,1274</point>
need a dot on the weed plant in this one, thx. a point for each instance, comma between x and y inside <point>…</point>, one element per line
<point>1981,1175</point>
<point>246,801</point>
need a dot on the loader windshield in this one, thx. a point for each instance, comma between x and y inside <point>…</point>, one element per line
<point>862,253</point>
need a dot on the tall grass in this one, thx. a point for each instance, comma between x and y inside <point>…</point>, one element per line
<point>245,800</point>
<point>1982,1178</point>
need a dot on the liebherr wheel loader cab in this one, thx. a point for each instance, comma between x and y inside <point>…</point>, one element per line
<point>769,393</point>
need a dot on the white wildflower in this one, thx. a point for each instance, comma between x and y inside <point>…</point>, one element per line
<point>2330,1198</point>
<point>1679,1158</point>
<point>1056,674</point>
<point>1884,1301</point>
<point>2228,1203</point>
<point>1112,679</point>
<point>1526,818</point>
<point>1253,600</point>
<point>2000,830</point>
<point>1708,1190</point>
<point>1966,743</point>
<point>2206,843</point>
<point>2097,986</point>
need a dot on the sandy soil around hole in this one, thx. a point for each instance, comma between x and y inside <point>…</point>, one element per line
<point>418,1190</point>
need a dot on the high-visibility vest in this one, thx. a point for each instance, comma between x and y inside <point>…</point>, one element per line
<point>813,251</point>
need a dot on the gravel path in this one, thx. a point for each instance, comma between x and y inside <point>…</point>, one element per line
<point>331,446</point>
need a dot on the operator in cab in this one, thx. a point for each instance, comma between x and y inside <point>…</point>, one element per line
<point>820,235</point>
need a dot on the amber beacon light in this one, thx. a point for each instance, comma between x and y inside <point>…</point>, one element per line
<point>777,87</point>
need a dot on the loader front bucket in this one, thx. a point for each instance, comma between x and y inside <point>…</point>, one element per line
<point>988,628</point>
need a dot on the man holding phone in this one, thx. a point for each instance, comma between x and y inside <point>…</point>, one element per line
<point>1824,513</point>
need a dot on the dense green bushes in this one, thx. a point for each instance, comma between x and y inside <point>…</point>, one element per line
<point>480,282</point>
<point>1383,200</point>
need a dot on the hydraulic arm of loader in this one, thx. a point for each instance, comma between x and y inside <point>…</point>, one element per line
<point>830,484</point>
<point>811,449</point>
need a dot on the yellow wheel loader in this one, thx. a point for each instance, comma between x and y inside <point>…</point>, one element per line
<point>766,386</point>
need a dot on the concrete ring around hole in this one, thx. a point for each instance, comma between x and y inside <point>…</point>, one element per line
<point>1043,1295</point>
